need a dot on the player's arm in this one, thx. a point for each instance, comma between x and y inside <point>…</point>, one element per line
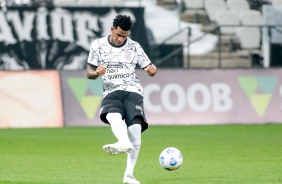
<point>94,72</point>
<point>144,62</point>
<point>151,69</point>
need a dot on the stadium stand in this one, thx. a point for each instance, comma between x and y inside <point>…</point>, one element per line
<point>132,3</point>
<point>228,18</point>
<point>226,52</point>
<point>169,4</point>
<point>65,2</point>
<point>193,11</point>
<point>238,44</point>
<point>42,3</point>
<point>89,2</point>
<point>250,37</point>
<point>238,5</point>
<point>112,3</point>
<point>207,14</point>
<point>234,43</point>
<point>213,7</point>
<point>276,2</point>
<point>194,4</point>
<point>16,3</point>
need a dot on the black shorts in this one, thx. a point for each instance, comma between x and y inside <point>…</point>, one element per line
<point>128,104</point>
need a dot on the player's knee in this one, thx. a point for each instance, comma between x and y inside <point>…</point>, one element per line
<point>113,116</point>
<point>137,120</point>
<point>135,129</point>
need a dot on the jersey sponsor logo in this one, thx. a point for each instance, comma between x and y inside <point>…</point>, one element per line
<point>112,70</point>
<point>114,66</point>
<point>118,76</point>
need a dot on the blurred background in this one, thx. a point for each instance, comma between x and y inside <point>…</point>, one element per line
<point>219,61</point>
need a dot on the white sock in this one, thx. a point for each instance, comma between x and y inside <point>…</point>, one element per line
<point>118,126</point>
<point>134,133</point>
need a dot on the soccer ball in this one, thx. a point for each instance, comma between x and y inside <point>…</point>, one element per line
<point>171,159</point>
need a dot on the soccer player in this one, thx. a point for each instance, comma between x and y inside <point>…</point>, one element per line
<point>114,58</point>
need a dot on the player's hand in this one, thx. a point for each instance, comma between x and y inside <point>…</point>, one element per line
<point>101,70</point>
<point>151,70</point>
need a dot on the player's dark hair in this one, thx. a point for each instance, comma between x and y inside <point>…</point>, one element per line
<point>123,21</point>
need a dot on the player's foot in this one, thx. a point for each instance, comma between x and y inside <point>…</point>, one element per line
<point>129,179</point>
<point>118,148</point>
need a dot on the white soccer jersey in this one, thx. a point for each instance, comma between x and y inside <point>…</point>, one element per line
<point>120,62</point>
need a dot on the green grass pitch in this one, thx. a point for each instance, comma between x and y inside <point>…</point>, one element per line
<point>222,154</point>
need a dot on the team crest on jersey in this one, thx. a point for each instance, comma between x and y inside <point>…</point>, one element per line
<point>128,55</point>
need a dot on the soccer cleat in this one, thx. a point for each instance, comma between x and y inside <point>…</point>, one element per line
<point>129,179</point>
<point>117,148</point>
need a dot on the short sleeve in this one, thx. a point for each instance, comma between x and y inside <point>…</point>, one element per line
<point>93,54</point>
<point>142,58</point>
